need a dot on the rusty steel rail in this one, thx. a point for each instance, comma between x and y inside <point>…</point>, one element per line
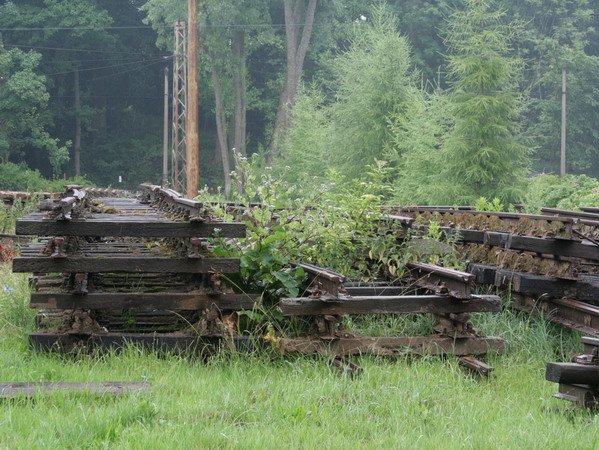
<point>441,280</point>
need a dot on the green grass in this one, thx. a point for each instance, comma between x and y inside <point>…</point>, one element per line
<point>244,401</point>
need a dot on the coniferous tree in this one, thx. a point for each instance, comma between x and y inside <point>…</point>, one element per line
<point>483,154</point>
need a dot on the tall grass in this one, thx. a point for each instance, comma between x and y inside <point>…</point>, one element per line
<point>256,401</point>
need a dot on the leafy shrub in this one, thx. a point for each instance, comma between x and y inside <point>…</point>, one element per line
<point>335,226</point>
<point>569,192</point>
<point>17,177</point>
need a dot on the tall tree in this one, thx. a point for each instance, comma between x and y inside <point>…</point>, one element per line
<point>72,24</point>
<point>299,20</point>
<point>483,154</point>
<point>23,110</point>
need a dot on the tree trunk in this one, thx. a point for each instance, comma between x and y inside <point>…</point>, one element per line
<point>77,146</point>
<point>220,125</point>
<point>297,46</point>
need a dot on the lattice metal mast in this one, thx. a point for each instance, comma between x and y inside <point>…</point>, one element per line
<point>178,141</point>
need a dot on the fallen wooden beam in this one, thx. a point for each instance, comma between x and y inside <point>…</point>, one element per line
<point>116,263</point>
<point>572,373</point>
<point>393,346</point>
<point>11,390</point>
<point>475,366</point>
<point>403,304</point>
<point>130,225</point>
<point>172,301</point>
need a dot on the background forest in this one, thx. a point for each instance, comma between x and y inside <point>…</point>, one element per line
<point>456,99</point>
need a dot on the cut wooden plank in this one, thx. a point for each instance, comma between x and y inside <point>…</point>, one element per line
<point>126,264</point>
<point>394,346</point>
<point>559,247</point>
<point>436,304</point>
<point>184,301</point>
<point>572,373</point>
<point>527,283</point>
<point>484,274</point>
<point>141,226</point>
<point>10,390</point>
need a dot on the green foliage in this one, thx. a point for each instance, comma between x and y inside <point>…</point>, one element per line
<point>483,155</point>
<point>335,226</point>
<point>308,140</point>
<point>17,177</point>
<point>23,103</point>
<point>416,150</point>
<point>483,204</point>
<point>570,192</point>
<point>554,34</point>
<point>374,88</point>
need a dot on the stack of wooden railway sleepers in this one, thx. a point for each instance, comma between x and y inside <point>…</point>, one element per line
<point>549,262</point>
<point>444,293</point>
<point>110,269</point>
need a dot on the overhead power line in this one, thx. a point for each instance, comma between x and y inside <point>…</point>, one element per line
<point>148,27</point>
<point>131,70</point>
<point>105,67</point>
<point>84,50</point>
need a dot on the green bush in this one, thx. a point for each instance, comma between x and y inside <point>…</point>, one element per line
<point>17,177</point>
<point>569,192</point>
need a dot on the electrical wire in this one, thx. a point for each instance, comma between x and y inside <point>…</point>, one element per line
<point>103,67</point>
<point>83,50</point>
<point>131,70</point>
<point>148,27</point>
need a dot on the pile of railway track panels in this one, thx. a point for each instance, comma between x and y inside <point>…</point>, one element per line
<point>111,268</point>
<point>548,262</point>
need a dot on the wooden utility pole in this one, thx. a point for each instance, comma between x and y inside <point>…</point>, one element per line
<point>562,171</point>
<point>165,130</point>
<point>192,101</point>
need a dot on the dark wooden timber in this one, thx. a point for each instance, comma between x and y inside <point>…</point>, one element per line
<point>558,247</point>
<point>393,346</point>
<point>527,283</point>
<point>572,373</point>
<point>436,304</point>
<point>484,274</point>
<point>11,390</point>
<point>175,301</point>
<point>155,342</point>
<point>569,313</point>
<point>128,225</point>
<point>476,366</point>
<point>374,291</point>
<point>132,263</point>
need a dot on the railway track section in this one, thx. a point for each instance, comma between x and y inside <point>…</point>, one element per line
<point>111,267</point>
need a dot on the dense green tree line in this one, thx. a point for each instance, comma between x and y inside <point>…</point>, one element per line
<point>461,99</point>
